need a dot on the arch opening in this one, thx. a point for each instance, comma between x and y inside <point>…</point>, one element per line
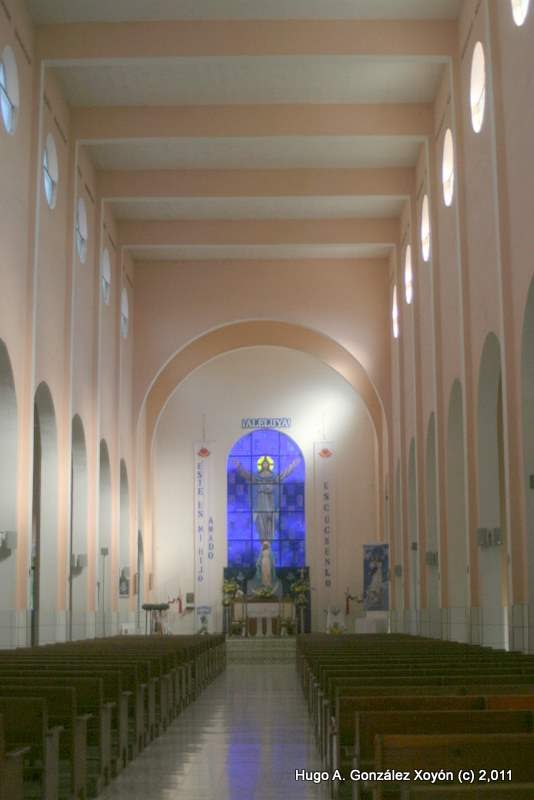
<point>8,497</point>
<point>527,392</point>
<point>398,576</point>
<point>103,555</point>
<point>124,547</point>
<point>413,533</point>
<point>78,580</point>
<point>457,545</point>
<point>431,511</point>
<point>44,544</point>
<point>492,562</point>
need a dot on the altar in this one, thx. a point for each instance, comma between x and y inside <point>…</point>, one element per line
<point>252,611</point>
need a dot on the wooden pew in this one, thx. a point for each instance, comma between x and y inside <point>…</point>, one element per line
<point>90,700</point>
<point>369,724</point>
<point>114,695</point>
<point>511,753</point>
<point>63,712</point>
<point>144,683</point>
<point>11,769</point>
<point>26,725</point>
<point>343,734</point>
<point>456,684</point>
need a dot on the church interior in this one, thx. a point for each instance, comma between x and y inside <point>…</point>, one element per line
<point>266,397</point>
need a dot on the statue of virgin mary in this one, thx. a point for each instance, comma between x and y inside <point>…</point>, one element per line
<point>265,575</point>
<point>265,569</point>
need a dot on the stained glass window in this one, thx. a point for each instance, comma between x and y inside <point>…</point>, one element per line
<point>266,476</point>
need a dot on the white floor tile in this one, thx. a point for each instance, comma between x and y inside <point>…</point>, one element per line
<point>242,739</point>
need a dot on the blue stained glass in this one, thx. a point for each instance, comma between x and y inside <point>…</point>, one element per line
<point>292,497</point>
<point>240,553</point>
<point>292,526</point>
<point>270,507</point>
<point>296,470</point>
<point>239,525</point>
<point>292,554</point>
<point>258,496</point>
<point>242,447</point>
<point>265,441</point>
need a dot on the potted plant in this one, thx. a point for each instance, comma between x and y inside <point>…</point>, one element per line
<point>237,627</point>
<point>287,626</point>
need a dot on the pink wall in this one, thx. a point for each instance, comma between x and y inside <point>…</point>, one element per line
<point>345,301</point>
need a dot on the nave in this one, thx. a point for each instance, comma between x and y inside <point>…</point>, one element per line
<point>242,738</point>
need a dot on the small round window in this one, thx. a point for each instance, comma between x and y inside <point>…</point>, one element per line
<point>105,276</point>
<point>125,313</point>
<point>9,90</point>
<point>447,168</point>
<point>50,171</point>
<point>425,229</point>
<point>395,314</point>
<point>81,229</point>
<point>478,87</point>
<point>408,275</point>
<point>520,11</point>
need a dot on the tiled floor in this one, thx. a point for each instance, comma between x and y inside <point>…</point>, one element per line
<point>242,739</point>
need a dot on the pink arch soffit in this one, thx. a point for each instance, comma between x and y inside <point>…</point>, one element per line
<point>261,333</point>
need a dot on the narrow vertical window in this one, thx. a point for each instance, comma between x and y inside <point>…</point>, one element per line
<point>81,229</point>
<point>105,277</point>
<point>395,314</point>
<point>447,168</point>
<point>125,313</point>
<point>50,171</point>
<point>408,275</point>
<point>9,90</point>
<point>478,87</point>
<point>425,228</point>
<point>520,10</point>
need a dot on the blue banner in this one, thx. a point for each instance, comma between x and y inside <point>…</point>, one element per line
<point>375,577</point>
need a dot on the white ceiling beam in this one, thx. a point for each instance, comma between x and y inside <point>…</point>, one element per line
<point>108,124</point>
<point>262,232</point>
<point>109,42</point>
<point>167,184</point>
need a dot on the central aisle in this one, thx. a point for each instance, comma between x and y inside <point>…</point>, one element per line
<point>242,739</point>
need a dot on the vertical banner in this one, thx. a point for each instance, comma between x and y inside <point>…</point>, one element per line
<point>375,577</point>
<point>204,537</point>
<point>325,473</point>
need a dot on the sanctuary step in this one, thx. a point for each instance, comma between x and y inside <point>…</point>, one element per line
<point>266,650</point>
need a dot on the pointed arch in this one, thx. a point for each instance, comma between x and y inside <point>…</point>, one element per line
<point>8,489</point>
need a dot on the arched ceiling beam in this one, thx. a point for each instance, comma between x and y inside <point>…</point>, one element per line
<point>162,184</point>
<point>251,232</point>
<point>107,42</point>
<point>107,124</point>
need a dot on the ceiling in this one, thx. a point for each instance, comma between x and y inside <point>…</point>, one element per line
<point>238,80</point>
<point>49,11</point>
<point>280,152</point>
<point>216,106</point>
<point>259,208</point>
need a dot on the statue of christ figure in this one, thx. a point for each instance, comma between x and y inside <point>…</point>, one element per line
<point>264,484</point>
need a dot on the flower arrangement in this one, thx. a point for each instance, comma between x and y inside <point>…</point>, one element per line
<point>336,629</point>
<point>230,589</point>
<point>263,591</point>
<point>299,591</point>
